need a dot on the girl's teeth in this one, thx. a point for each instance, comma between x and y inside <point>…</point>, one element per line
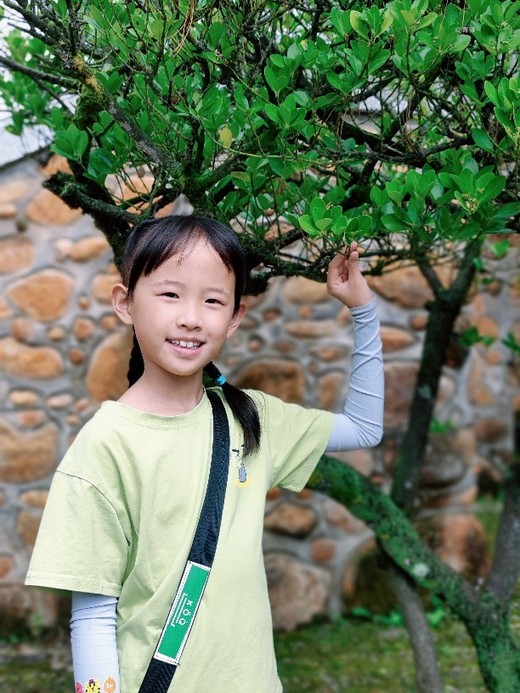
<point>187,345</point>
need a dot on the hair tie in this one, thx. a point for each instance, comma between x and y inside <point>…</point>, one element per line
<point>221,380</point>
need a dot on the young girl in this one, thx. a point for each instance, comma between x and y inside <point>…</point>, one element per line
<point>125,500</point>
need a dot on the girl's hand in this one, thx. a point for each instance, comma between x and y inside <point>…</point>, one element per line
<point>345,280</point>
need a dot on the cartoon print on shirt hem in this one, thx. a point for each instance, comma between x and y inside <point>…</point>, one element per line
<point>109,686</point>
<point>92,686</point>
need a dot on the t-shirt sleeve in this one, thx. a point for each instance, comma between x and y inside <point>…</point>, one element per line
<point>81,545</point>
<point>296,438</point>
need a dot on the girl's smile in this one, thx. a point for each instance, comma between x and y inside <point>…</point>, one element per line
<point>184,344</point>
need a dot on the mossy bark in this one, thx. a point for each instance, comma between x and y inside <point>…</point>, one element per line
<point>485,619</point>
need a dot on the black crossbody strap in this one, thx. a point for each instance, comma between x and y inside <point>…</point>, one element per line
<point>181,616</point>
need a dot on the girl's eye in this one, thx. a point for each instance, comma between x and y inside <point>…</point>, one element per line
<point>170,294</point>
<point>214,301</point>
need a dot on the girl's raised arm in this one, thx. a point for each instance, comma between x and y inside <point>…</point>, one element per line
<point>360,424</point>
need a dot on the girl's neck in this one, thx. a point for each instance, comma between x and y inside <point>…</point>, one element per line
<point>172,398</point>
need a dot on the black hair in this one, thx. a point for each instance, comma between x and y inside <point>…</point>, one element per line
<point>154,241</point>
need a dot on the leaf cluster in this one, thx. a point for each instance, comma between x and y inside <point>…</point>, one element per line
<point>306,125</point>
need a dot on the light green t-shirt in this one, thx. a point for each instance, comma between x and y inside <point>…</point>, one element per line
<point>120,519</point>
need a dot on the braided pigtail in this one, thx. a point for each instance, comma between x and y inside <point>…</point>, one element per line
<point>242,406</point>
<point>136,363</point>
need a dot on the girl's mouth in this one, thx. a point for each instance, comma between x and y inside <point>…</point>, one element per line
<point>185,344</point>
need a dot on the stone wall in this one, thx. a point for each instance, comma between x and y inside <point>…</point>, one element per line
<point>62,351</point>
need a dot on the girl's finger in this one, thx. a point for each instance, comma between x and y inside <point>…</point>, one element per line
<point>353,258</point>
<point>336,269</point>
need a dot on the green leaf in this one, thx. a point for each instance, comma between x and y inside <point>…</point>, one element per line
<point>491,93</point>
<point>358,24</point>
<point>318,208</point>
<point>378,197</point>
<point>507,211</point>
<point>340,20</point>
<point>157,28</point>
<point>241,175</point>
<point>341,82</point>
<point>307,225</point>
<point>489,188</point>
<point>215,34</point>
<point>272,112</point>
<point>461,43</point>
<point>57,118</point>
<point>378,60</point>
<point>395,191</point>
<point>426,20</point>
<point>277,60</point>
<point>482,139</point>
<point>71,143</point>
<point>466,181</point>
<point>472,336</point>
<point>96,19</point>
<point>335,196</point>
<point>294,51</point>
<point>436,617</point>
<point>301,97</point>
<point>225,136</point>
<point>101,163</point>
<point>409,17</point>
<point>387,22</point>
<point>276,80</point>
<point>393,223</point>
<point>322,224</point>
<point>420,184</point>
<point>500,248</point>
<point>356,63</point>
<point>62,146</point>
<point>511,342</point>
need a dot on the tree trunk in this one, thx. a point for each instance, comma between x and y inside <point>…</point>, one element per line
<point>427,673</point>
<point>405,482</point>
<point>503,576</point>
<point>444,310</point>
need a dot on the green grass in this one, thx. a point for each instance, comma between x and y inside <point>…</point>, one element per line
<point>363,657</point>
<point>347,655</point>
<point>34,679</point>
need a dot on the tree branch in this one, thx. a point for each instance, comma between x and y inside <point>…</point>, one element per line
<point>395,534</point>
<point>37,75</point>
<point>113,221</point>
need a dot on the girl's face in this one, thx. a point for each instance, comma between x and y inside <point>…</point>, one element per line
<point>182,312</point>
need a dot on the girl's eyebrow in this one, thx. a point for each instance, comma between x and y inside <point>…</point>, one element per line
<point>167,282</point>
<point>173,283</point>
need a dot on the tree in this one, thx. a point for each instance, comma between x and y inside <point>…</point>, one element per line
<point>395,124</point>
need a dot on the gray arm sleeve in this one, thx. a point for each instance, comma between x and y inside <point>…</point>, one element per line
<point>360,424</point>
<point>93,640</point>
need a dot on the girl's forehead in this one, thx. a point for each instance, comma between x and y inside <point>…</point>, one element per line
<point>199,250</point>
<point>198,258</point>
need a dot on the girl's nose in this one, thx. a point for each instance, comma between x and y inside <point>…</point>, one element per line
<point>189,317</point>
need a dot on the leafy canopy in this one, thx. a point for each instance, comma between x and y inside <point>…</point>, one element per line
<point>395,122</point>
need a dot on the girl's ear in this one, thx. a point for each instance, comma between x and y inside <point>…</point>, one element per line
<point>236,319</point>
<point>122,304</point>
